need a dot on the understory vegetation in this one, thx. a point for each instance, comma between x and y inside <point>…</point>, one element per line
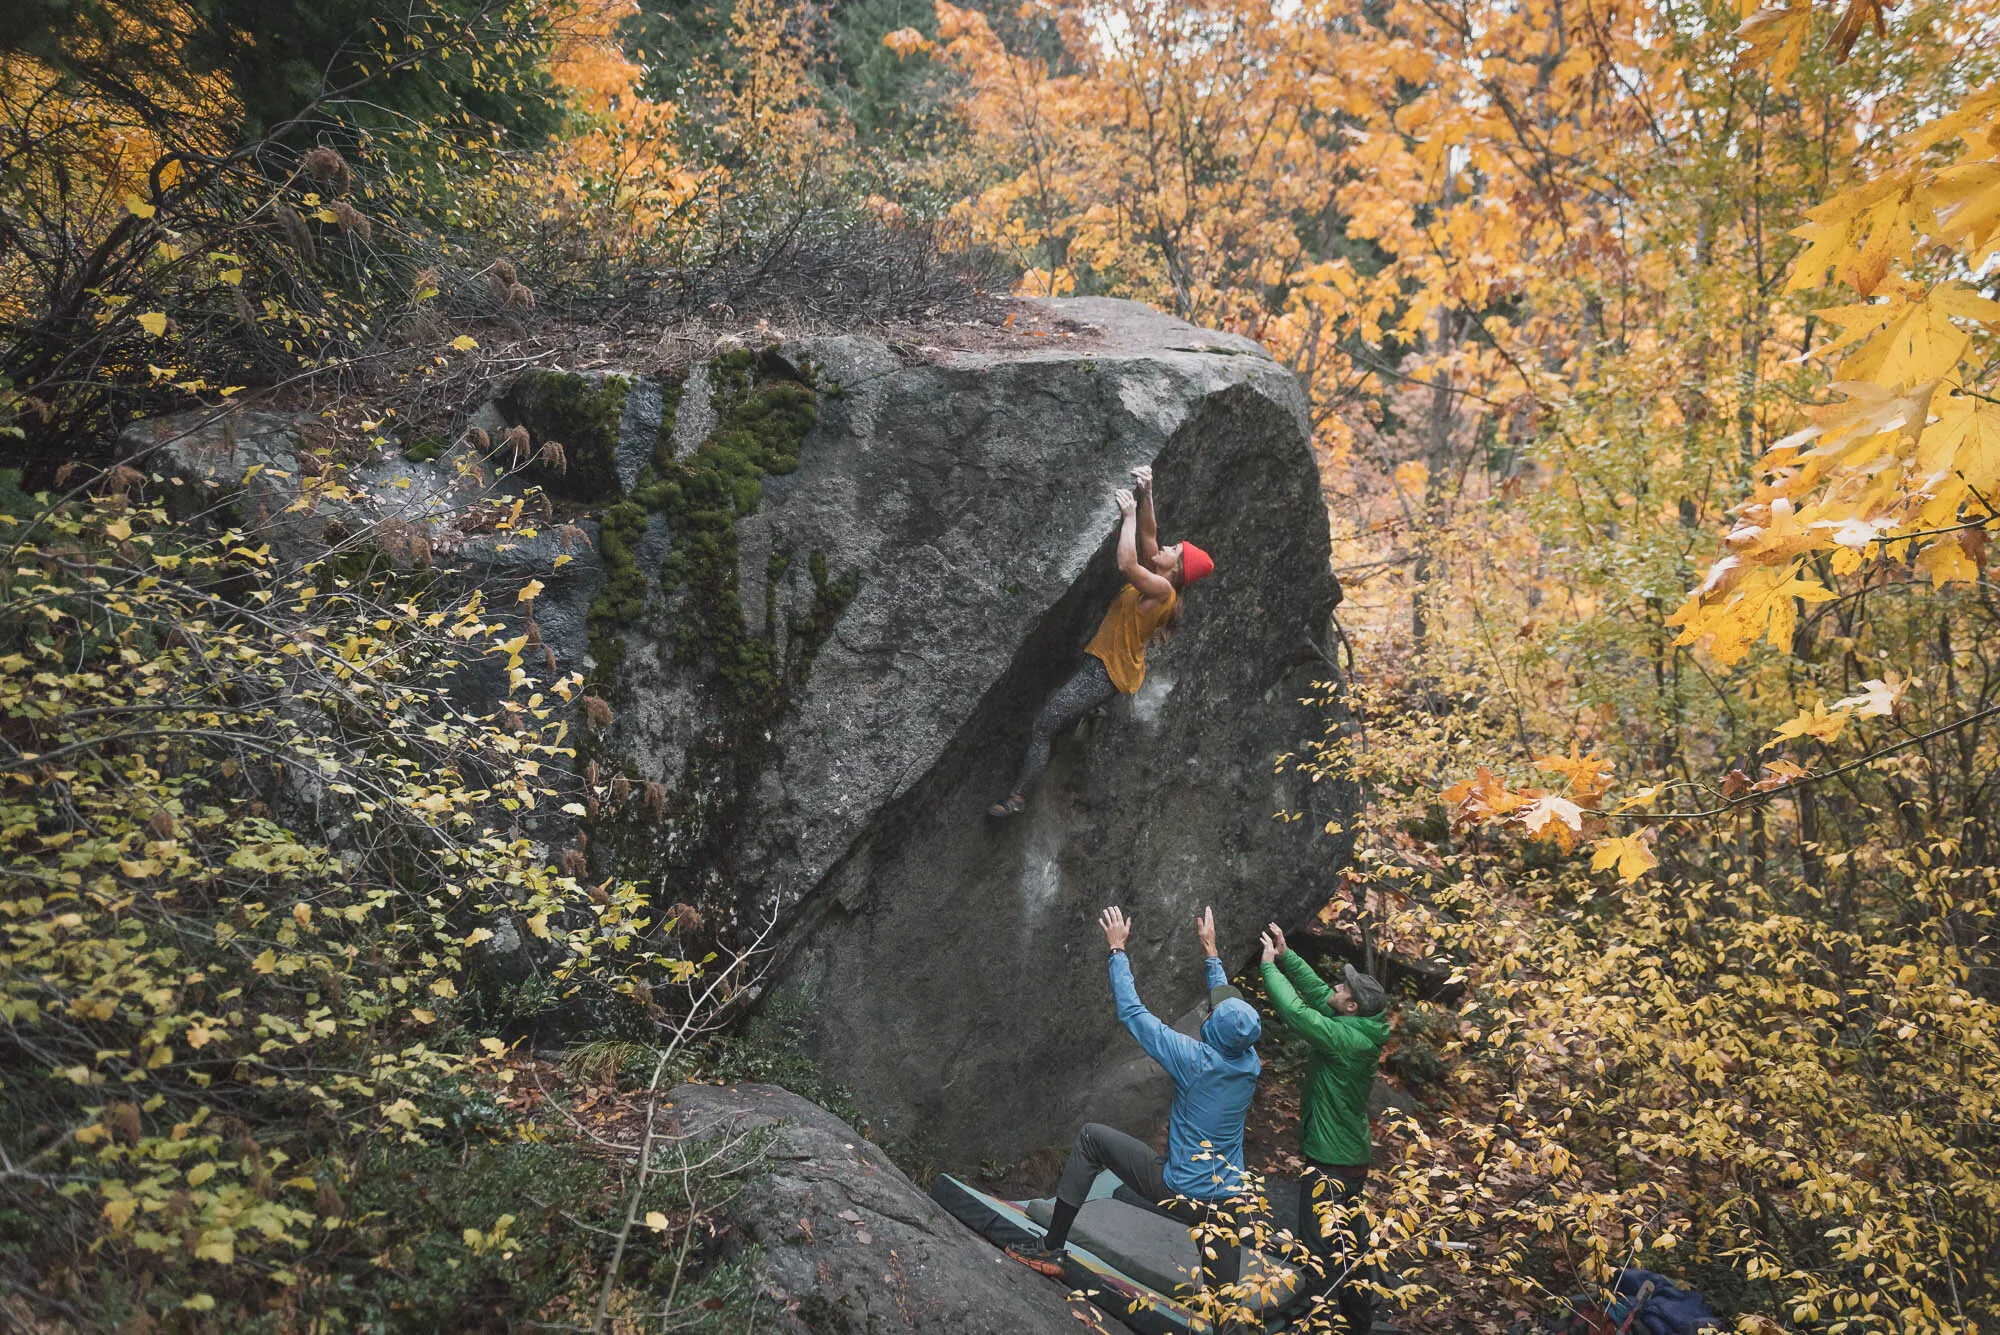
<point>1653,356</point>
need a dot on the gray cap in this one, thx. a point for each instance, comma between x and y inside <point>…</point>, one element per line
<point>1368,994</point>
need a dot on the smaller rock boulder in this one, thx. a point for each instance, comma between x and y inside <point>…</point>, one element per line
<point>851,1245</point>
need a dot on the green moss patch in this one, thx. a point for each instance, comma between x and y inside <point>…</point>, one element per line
<point>583,417</point>
<point>754,659</point>
<point>763,411</point>
<point>423,449</point>
<point>623,596</point>
<point>812,628</point>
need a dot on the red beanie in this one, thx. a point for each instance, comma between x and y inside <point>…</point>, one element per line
<point>1195,564</point>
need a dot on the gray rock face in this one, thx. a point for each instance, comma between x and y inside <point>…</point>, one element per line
<point>956,975</point>
<point>850,1245</point>
<point>964,498</point>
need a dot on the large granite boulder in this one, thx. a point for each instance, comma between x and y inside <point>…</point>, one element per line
<point>823,587</point>
<point>848,1245</point>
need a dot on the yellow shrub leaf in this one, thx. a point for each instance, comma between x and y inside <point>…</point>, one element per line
<point>200,1173</point>
<point>465,343</point>
<point>154,323</point>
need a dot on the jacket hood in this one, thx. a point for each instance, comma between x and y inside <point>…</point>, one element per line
<point>1376,1027</point>
<point>1233,1029</point>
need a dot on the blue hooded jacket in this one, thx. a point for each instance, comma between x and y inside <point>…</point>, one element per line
<point>1214,1078</point>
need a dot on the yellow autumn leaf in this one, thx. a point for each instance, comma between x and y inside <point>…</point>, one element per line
<point>1945,562</point>
<point>154,323</point>
<point>906,42</point>
<point>266,962</point>
<point>656,1221</point>
<point>200,1173</point>
<point>465,343</point>
<point>1816,722</point>
<point>529,592</point>
<point>1967,199</point>
<point>138,207</point>
<point>1776,35</point>
<point>1628,854</point>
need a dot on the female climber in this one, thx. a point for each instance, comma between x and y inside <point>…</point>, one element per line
<point>1114,662</point>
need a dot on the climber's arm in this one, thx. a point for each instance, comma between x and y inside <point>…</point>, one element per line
<point>1149,530</point>
<point>1153,587</point>
<point>1176,1052</point>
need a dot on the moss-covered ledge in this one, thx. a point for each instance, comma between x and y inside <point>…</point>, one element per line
<point>580,412</point>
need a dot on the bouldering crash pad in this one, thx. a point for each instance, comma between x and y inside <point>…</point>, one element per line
<point>1134,1262</point>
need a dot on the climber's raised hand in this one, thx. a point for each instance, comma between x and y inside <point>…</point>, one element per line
<point>1204,930</point>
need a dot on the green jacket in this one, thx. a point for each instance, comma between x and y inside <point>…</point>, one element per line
<point>1333,1116</point>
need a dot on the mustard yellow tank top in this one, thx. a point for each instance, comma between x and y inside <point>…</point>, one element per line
<point>1121,638</point>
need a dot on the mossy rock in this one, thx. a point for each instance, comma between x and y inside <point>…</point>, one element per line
<point>763,413</point>
<point>581,413</point>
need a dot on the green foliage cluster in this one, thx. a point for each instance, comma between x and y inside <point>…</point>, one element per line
<point>255,857</point>
<point>212,196</point>
<point>277,58</point>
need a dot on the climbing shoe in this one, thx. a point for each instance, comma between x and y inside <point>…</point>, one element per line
<point>1041,1262</point>
<point>1013,806</point>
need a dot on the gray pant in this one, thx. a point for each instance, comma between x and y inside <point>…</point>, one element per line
<point>1087,688</point>
<point>1133,1162</point>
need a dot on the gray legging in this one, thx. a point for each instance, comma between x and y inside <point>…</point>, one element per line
<point>1088,688</point>
<point>1133,1162</point>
